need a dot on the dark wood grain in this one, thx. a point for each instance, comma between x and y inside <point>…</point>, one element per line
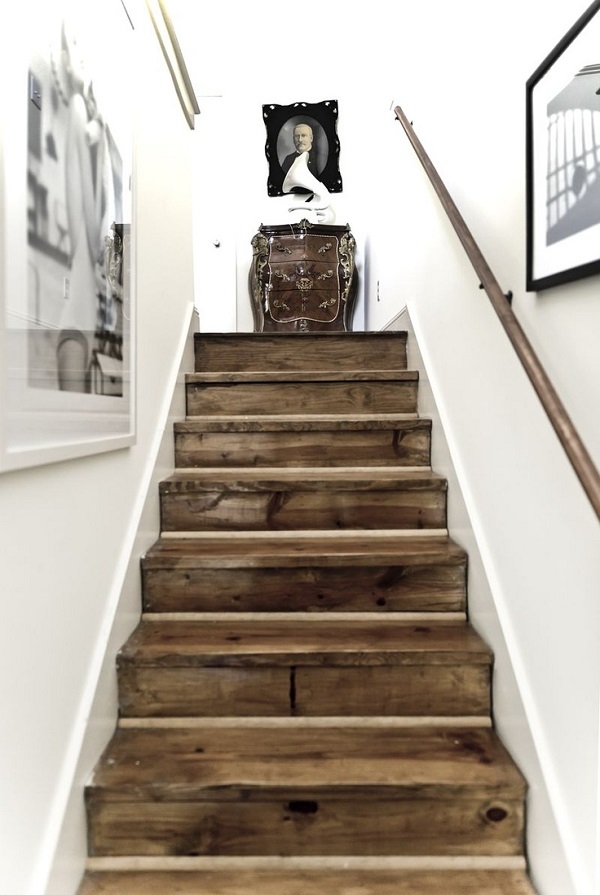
<point>301,549</point>
<point>297,351</point>
<point>322,641</point>
<point>436,586</point>
<point>413,826</point>
<point>381,395</point>
<point>255,442</point>
<point>215,762</point>
<point>295,499</point>
<point>323,691</point>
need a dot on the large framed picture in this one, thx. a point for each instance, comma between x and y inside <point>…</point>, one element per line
<point>67,322</point>
<point>300,127</point>
<point>563,159</point>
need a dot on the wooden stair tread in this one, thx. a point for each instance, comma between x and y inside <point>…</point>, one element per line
<point>326,641</point>
<point>289,478</point>
<point>237,338</point>
<point>182,764</point>
<point>294,549</point>
<point>317,375</point>
<point>308,882</point>
<point>299,422</point>
<point>345,570</point>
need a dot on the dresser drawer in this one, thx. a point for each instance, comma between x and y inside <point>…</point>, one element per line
<point>304,276</point>
<point>303,248</point>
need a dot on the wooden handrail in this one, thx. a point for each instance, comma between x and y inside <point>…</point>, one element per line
<point>559,418</point>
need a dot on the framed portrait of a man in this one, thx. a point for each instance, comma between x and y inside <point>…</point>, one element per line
<point>297,128</point>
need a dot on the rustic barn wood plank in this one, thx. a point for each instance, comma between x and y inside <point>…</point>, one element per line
<point>216,691</point>
<point>218,763</point>
<point>299,549</point>
<point>294,510</point>
<point>401,443</point>
<point>203,692</point>
<point>242,351</point>
<point>292,824</point>
<point>254,642</point>
<point>310,478</point>
<point>313,396</point>
<point>384,588</point>
<point>291,499</point>
<point>401,690</point>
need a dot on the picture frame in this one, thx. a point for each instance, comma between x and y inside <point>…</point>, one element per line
<point>563,159</point>
<point>67,291</point>
<point>321,118</point>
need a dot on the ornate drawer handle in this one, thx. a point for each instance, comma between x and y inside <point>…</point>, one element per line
<point>281,248</point>
<point>304,284</point>
<point>279,303</point>
<point>325,276</point>
<point>325,248</point>
<point>328,303</point>
<point>282,276</point>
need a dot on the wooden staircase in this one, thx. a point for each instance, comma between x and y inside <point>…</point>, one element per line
<point>304,707</point>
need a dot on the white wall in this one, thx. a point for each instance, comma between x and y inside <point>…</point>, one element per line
<point>68,528</point>
<point>459,71</point>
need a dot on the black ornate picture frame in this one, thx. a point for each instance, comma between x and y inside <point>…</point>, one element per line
<point>563,159</point>
<point>280,122</point>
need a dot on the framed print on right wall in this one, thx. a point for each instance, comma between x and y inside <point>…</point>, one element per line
<point>563,159</point>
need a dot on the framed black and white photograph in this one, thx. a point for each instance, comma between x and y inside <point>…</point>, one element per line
<point>67,372</point>
<point>302,127</point>
<point>563,159</point>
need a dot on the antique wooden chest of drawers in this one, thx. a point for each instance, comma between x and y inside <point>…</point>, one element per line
<point>303,277</point>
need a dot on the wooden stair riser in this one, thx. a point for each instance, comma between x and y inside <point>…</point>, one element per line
<point>193,506</point>
<point>300,397</point>
<point>300,823</point>
<point>304,691</point>
<point>241,352</point>
<point>379,588</point>
<point>408,445</point>
<point>302,881</point>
